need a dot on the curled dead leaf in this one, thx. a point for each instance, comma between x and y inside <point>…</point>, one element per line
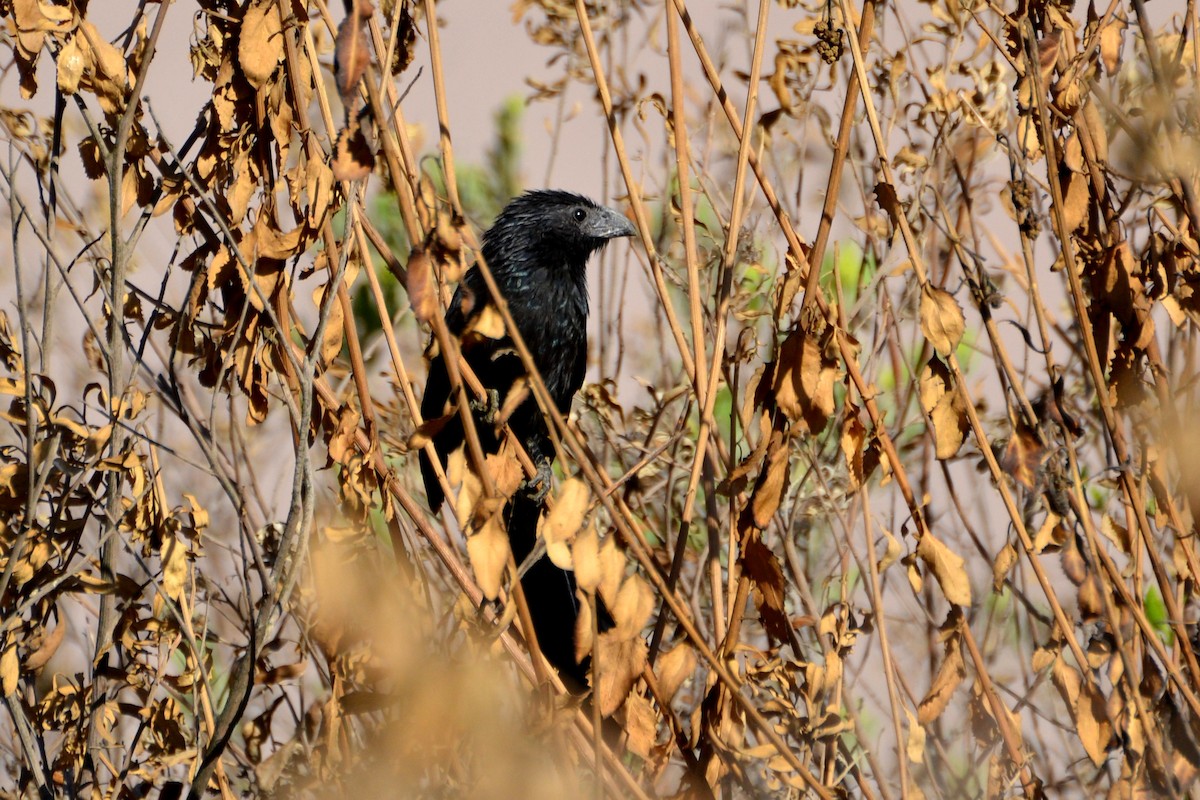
<point>944,407</point>
<point>633,606</point>
<point>564,521</point>
<point>619,662</point>
<point>950,672</point>
<point>942,320</point>
<point>422,289</point>
<point>353,158</point>
<point>585,555</point>
<point>947,567</point>
<point>673,668</point>
<point>804,379</point>
<point>488,551</point>
<point>260,46</point>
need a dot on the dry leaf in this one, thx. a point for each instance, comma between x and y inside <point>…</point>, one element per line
<point>945,408</point>
<point>673,668</point>
<point>488,551</point>
<point>71,62</point>
<point>10,669</point>
<point>804,380</point>
<point>1087,707</point>
<point>947,567</point>
<point>564,521</point>
<point>174,561</point>
<point>619,662</point>
<point>612,570</point>
<point>584,625</point>
<point>505,469</point>
<point>353,158</point>
<point>1076,198</point>
<point>772,481</point>
<point>105,72</point>
<point>350,57</point>
<point>942,320</point>
<point>949,675</point>
<point>487,324</point>
<point>854,435</point>
<point>422,289</point>
<point>761,566</point>
<point>585,555</point>
<point>641,725</point>
<point>633,606</point>
<point>260,46</point>
<point>914,747</point>
<point>1110,45</point>
<point>1006,559</point>
<point>891,554</point>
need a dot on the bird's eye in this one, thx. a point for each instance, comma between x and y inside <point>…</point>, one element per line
<point>580,215</point>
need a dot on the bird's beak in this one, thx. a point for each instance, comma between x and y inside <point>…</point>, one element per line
<point>612,225</point>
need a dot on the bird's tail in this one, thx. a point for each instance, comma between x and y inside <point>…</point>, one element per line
<point>550,594</point>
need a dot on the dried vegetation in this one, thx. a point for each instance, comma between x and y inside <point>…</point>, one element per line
<point>888,478</point>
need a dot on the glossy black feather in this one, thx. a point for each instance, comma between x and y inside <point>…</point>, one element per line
<point>537,251</point>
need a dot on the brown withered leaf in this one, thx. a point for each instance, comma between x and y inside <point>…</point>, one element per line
<point>888,201</point>
<point>422,288</point>
<point>10,667</point>
<point>505,470</point>
<point>318,178</point>
<point>1110,44</point>
<point>486,323</point>
<point>105,72</point>
<point>612,570</point>
<point>1076,197</point>
<point>914,746</point>
<point>619,663</point>
<point>942,320</point>
<point>891,552</point>
<point>260,44</point>
<point>48,646</point>
<point>31,21</point>
<point>854,436</point>
<point>341,437</point>
<point>950,673</point>
<point>350,56</point>
<point>1050,535</point>
<point>174,562</point>
<point>1006,559</point>
<point>674,667</point>
<point>804,379</point>
<point>585,555</point>
<point>633,606</point>
<point>944,407</point>
<point>277,675</point>
<point>564,520</point>
<point>584,624</point>
<point>761,566</point>
<point>334,334</point>
<point>1087,707</point>
<point>70,62</point>
<point>271,242</point>
<point>93,161</point>
<point>1116,533</point>
<point>488,551</point>
<point>1023,456</point>
<point>353,158</point>
<point>641,725</point>
<point>772,482</point>
<point>947,567</point>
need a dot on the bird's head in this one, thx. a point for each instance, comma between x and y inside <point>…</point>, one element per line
<point>552,225</point>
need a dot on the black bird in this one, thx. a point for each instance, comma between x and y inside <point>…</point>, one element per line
<point>537,251</point>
